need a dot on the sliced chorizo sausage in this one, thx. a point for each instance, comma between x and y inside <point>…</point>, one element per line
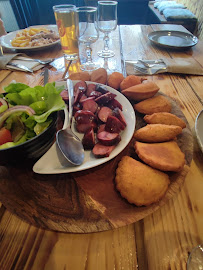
<point>107,138</point>
<point>90,105</point>
<point>105,98</point>
<point>114,125</point>
<point>118,113</point>
<point>101,150</point>
<point>88,140</point>
<point>104,113</point>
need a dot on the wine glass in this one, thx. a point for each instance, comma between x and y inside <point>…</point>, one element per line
<point>195,260</point>
<point>87,33</point>
<point>107,22</point>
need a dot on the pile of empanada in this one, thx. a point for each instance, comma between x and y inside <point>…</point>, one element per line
<point>146,181</point>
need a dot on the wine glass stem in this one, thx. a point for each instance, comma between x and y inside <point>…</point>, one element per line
<point>106,41</point>
<point>89,53</point>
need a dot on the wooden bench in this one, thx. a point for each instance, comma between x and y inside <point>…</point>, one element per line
<point>159,18</point>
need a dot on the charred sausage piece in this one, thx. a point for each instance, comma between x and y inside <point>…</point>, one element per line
<point>101,88</point>
<point>101,150</point>
<point>104,113</point>
<point>79,90</point>
<point>90,105</point>
<point>118,113</point>
<point>105,98</point>
<point>82,98</point>
<point>107,138</point>
<point>85,120</point>
<point>114,104</point>
<point>80,85</point>
<point>114,125</point>
<point>95,94</point>
<point>90,88</point>
<point>88,140</point>
<point>101,128</point>
<point>64,95</point>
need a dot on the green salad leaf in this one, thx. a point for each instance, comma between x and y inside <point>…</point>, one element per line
<point>44,100</point>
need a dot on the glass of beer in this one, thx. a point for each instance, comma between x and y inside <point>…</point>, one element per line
<point>67,23</point>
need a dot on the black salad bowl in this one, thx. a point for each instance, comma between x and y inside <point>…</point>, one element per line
<point>32,149</point>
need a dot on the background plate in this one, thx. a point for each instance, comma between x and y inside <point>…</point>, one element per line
<point>6,40</point>
<point>199,129</point>
<point>53,161</point>
<point>173,39</point>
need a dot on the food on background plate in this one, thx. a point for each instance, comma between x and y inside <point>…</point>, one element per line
<point>28,111</point>
<point>114,80</point>
<point>32,37</point>
<point>80,76</point>
<point>140,184</point>
<point>165,156</point>
<point>152,105</point>
<point>99,76</point>
<point>164,118</point>
<point>157,133</point>
<point>130,80</point>
<point>141,91</point>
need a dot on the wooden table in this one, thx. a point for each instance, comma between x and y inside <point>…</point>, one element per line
<point>161,240</point>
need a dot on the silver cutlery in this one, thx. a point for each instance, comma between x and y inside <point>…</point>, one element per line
<point>21,67</point>
<point>43,62</point>
<point>151,63</point>
<point>46,76</point>
<point>149,71</point>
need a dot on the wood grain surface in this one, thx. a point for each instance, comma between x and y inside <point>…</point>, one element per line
<point>86,201</point>
<point>163,239</point>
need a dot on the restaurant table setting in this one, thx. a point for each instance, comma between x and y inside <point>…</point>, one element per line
<point>56,215</point>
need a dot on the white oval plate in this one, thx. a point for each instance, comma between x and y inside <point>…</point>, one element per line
<point>53,162</point>
<point>6,40</point>
<point>199,129</point>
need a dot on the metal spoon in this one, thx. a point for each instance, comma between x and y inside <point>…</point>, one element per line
<point>69,144</point>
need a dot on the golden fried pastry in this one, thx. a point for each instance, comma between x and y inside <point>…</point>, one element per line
<point>129,81</point>
<point>139,183</point>
<point>141,91</point>
<point>155,104</point>
<point>164,118</point>
<point>157,133</point>
<point>115,79</point>
<point>99,75</point>
<point>81,76</point>
<point>165,156</point>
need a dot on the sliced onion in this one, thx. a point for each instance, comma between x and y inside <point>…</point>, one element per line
<point>19,108</point>
<point>3,102</point>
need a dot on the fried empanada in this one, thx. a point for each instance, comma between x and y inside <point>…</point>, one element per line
<point>140,184</point>
<point>164,118</point>
<point>165,156</point>
<point>157,133</point>
<point>141,91</point>
<point>155,104</point>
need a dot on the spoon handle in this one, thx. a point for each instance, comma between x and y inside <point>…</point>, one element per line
<point>70,100</point>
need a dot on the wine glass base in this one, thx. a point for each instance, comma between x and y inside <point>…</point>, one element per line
<point>88,67</point>
<point>106,54</point>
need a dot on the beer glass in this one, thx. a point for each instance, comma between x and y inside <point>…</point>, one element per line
<point>66,20</point>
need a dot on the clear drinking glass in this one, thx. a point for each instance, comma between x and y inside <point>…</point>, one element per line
<point>87,33</point>
<point>107,22</point>
<point>66,20</point>
<point>195,260</point>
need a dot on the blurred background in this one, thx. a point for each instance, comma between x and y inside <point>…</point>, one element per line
<point>19,14</point>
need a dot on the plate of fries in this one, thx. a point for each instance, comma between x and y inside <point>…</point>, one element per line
<point>31,38</point>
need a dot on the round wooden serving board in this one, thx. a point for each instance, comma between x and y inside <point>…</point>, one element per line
<point>85,201</point>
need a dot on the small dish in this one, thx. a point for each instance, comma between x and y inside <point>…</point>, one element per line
<point>173,39</point>
<point>199,129</point>
<point>6,40</point>
<point>53,161</point>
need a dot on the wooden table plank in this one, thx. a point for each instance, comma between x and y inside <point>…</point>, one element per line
<point>161,240</point>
